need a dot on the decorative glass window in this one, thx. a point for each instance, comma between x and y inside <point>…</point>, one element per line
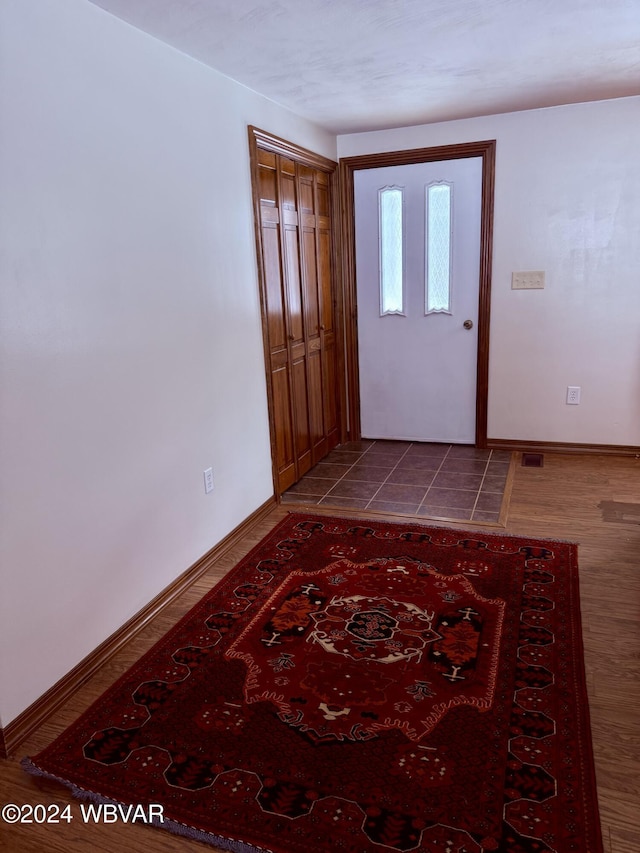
<point>391,241</point>
<point>438,248</point>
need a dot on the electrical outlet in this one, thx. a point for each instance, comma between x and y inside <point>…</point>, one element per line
<point>532,280</point>
<point>573,395</point>
<point>208,480</point>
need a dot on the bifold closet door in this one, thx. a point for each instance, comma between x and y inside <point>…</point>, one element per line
<point>299,302</point>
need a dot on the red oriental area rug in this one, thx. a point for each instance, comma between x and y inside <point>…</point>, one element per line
<point>359,686</point>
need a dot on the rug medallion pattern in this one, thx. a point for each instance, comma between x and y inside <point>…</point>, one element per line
<point>362,647</point>
<point>360,686</point>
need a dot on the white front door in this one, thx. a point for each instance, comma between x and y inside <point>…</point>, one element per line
<point>418,367</point>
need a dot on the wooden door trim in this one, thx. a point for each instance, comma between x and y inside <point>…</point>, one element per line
<point>261,139</point>
<point>348,165</point>
<point>268,142</point>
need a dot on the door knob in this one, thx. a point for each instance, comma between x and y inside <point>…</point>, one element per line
<point>468,324</point>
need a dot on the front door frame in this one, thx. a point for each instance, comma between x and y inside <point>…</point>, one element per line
<point>485,149</point>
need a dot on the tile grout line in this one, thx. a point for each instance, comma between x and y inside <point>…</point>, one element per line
<point>340,479</point>
<point>421,504</point>
<point>486,468</point>
<point>388,475</point>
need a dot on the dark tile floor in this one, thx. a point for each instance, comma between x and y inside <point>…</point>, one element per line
<point>451,482</point>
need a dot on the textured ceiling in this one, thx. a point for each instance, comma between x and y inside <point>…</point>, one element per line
<point>353,65</point>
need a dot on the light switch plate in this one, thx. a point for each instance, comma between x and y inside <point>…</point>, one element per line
<point>527,280</point>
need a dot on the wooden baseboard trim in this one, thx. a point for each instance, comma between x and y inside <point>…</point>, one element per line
<point>561,447</point>
<point>18,730</point>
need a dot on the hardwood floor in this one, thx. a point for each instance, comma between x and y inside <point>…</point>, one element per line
<point>592,500</point>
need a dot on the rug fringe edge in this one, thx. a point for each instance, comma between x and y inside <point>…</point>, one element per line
<point>172,826</point>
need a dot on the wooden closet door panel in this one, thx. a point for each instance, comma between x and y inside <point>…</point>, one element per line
<point>295,315</point>
<point>329,348</point>
<point>283,427</point>
<point>323,194</point>
<point>327,309</point>
<point>298,307</point>
<point>295,323</point>
<point>330,384</point>
<point>274,295</point>
<point>316,404</point>
<point>278,357</point>
<point>267,178</point>
<point>308,223</point>
<point>310,279</point>
<point>271,255</point>
<point>302,447</point>
<point>274,303</point>
<point>314,345</point>
<point>307,213</point>
<point>325,284</point>
<point>288,205</point>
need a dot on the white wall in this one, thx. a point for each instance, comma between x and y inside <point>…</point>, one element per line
<point>131,341</point>
<point>567,202</point>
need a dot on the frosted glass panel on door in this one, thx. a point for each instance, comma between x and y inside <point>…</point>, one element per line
<point>391,251</point>
<point>438,249</point>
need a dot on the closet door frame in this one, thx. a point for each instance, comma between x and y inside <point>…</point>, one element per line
<point>260,139</point>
